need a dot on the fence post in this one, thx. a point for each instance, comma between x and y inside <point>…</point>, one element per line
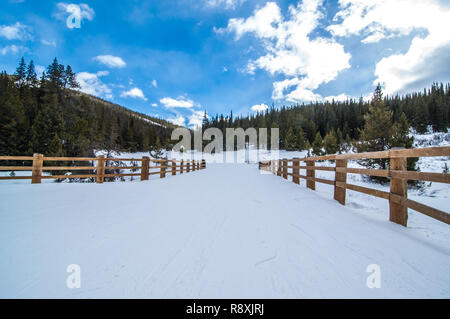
<point>203,163</point>
<point>340,192</point>
<point>100,169</point>
<point>285,169</point>
<point>311,173</point>
<point>193,166</point>
<point>163,165</point>
<point>272,166</point>
<point>174,167</point>
<point>398,213</point>
<point>181,166</point>
<point>188,166</point>
<point>36,174</point>
<point>279,168</point>
<point>296,171</point>
<point>144,168</point>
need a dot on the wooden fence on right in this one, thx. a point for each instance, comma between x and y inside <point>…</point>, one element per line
<point>397,173</point>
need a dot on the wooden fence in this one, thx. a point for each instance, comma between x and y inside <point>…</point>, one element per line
<point>397,173</point>
<point>102,170</point>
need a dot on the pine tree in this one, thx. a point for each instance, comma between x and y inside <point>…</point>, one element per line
<point>56,74</point>
<point>301,141</point>
<point>317,145</point>
<point>21,72</point>
<point>330,143</point>
<point>290,140</point>
<point>31,75</point>
<point>70,79</point>
<point>378,130</point>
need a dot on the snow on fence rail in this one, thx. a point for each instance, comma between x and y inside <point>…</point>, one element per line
<point>397,172</point>
<point>163,167</point>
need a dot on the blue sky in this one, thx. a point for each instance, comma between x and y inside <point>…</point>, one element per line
<point>175,59</point>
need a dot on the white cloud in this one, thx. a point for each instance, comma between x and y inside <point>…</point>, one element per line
<point>78,11</point>
<point>180,102</point>
<point>196,119</point>
<point>155,84</point>
<point>228,4</point>
<point>51,43</point>
<point>16,31</point>
<point>91,84</point>
<point>259,107</point>
<point>111,61</point>
<point>134,93</point>
<point>11,49</point>
<point>289,50</point>
<point>179,120</point>
<point>154,104</point>
<point>427,58</point>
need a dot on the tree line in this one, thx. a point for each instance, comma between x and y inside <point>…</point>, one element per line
<point>331,127</point>
<point>48,115</point>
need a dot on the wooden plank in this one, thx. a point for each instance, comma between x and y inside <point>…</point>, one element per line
<point>16,158</point>
<point>69,159</point>
<point>285,169</point>
<point>421,176</point>
<point>296,171</point>
<point>319,158</point>
<point>361,171</point>
<point>181,166</point>
<point>311,174</point>
<point>429,211</point>
<point>123,159</point>
<point>163,169</point>
<point>398,213</point>
<point>144,168</point>
<point>339,192</point>
<point>421,152</point>
<point>174,168</point>
<point>382,154</point>
<point>15,177</point>
<point>68,176</point>
<point>36,173</point>
<point>365,190</point>
<point>122,175</point>
<point>279,168</point>
<point>100,178</point>
<point>319,168</point>
<point>69,168</point>
<point>16,168</point>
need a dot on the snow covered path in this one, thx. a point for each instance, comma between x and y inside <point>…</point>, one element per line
<point>224,232</point>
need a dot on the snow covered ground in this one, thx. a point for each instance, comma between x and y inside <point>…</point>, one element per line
<point>224,232</point>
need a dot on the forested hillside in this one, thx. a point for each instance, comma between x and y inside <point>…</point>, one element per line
<point>301,125</point>
<point>49,116</point>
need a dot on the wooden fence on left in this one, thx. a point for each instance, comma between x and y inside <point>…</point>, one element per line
<point>161,167</point>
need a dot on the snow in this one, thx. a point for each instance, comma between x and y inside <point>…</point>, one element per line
<point>224,232</point>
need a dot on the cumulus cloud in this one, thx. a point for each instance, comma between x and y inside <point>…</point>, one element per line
<point>51,43</point>
<point>155,84</point>
<point>426,59</point>
<point>15,31</point>
<point>91,84</point>
<point>77,11</point>
<point>180,102</point>
<point>178,120</point>
<point>135,93</point>
<point>259,107</point>
<point>111,61</point>
<point>227,4</point>
<point>11,49</point>
<point>196,119</point>
<point>306,62</point>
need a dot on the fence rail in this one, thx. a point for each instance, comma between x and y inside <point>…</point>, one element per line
<point>101,169</point>
<point>397,173</point>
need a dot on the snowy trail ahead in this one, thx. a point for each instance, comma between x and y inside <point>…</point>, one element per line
<point>224,232</point>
